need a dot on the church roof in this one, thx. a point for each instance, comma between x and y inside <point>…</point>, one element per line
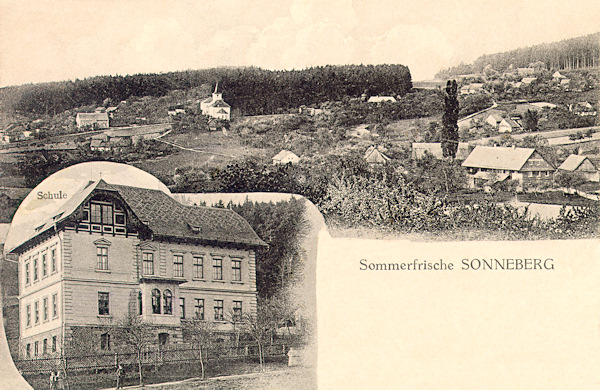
<point>220,103</point>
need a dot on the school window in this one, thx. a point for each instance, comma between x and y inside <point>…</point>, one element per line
<point>237,311</point>
<point>96,212</point>
<point>35,269</point>
<point>178,265</point>
<point>168,302</point>
<point>53,260</point>
<point>140,303</point>
<point>218,310</point>
<point>37,312</point>
<point>148,260</point>
<point>36,348</point>
<point>105,342</point>
<point>101,213</point>
<point>28,350</point>
<point>53,343</point>
<point>45,346</point>
<point>198,267</point>
<point>45,309</point>
<point>155,301</point>
<point>107,214</point>
<point>44,268</point>
<point>103,304</point>
<point>217,269</point>
<point>54,305</point>
<point>27,279</point>
<point>102,257</point>
<point>236,270</point>
<point>182,307</point>
<point>28,315</point>
<point>199,309</point>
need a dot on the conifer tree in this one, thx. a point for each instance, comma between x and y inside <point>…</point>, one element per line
<point>450,120</point>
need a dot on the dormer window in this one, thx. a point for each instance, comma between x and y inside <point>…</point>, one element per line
<point>101,213</point>
<point>103,217</point>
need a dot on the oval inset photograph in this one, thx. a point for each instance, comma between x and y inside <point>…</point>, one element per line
<point>118,279</point>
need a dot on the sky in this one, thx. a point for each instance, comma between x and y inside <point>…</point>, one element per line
<point>60,40</point>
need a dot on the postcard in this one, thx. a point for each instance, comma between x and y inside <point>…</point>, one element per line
<point>344,194</point>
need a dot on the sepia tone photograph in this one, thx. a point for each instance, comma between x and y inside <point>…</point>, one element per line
<point>167,170</point>
<point>125,280</point>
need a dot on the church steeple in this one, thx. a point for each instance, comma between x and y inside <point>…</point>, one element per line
<point>216,95</point>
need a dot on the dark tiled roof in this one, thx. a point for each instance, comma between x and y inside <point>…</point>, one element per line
<point>163,215</point>
<point>169,218</point>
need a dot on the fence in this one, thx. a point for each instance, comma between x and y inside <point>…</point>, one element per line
<point>151,356</point>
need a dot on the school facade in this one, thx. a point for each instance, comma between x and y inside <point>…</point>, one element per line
<point>112,251</point>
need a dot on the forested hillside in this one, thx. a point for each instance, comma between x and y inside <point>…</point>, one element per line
<point>252,90</point>
<point>571,53</point>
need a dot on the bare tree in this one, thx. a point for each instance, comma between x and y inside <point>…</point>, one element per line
<point>237,322</point>
<point>261,326</point>
<point>199,333</point>
<point>133,331</point>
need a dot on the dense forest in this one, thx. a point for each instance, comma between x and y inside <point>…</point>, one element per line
<point>253,91</point>
<point>283,226</point>
<point>571,53</point>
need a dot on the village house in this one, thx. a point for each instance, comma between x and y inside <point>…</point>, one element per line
<point>582,165</point>
<point>501,123</point>
<point>98,120</point>
<point>113,250</point>
<point>526,81</point>
<point>381,99</point>
<point>360,131</point>
<point>422,149</point>
<point>375,155</point>
<point>494,119</point>
<point>176,109</point>
<point>471,89</point>
<point>557,76</point>
<point>104,142</point>
<point>515,84</point>
<point>487,165</point>
<point>582,109</point>
<point>310,111</point>
<point>111,111</point>
<point>16,132</point>
<point>215,106</point>
<point>508,125</point>
<point>304,110</point>
<point>469,121</point>
<point>285,157</point>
